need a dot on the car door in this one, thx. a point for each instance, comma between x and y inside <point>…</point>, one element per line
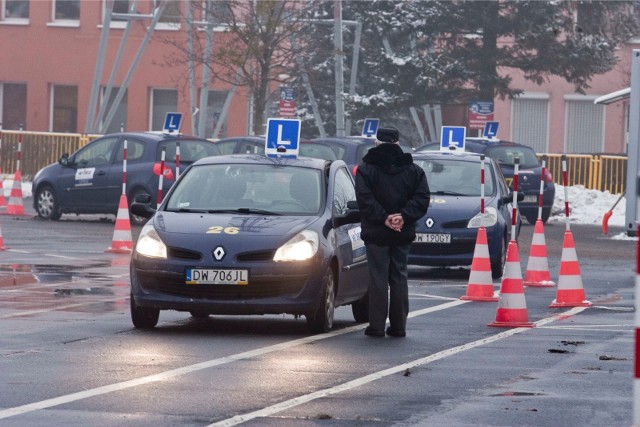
<point>84,182</point>
<point>350,249</point>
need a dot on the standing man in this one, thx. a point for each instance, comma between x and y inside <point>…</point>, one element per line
<point>392,194</point>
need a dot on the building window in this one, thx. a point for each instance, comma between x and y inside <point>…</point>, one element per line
<point>163,101</point>
<point>119,6</point>
<point>119,118</point>
<point>15,10</point>
<point>13,105</point>
<point>215,102</point>
<point>170,18</point>
<point>584,125</point>
<point>64,109</point>
<point>530,121</point>
<point>66,11</point>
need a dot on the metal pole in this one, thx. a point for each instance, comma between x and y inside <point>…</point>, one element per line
<point>354,68</point>
<point>97,75</point>
<point>192,71</point>
<point>339,68</point>
<point>204,90</point>
<point>634,140</point>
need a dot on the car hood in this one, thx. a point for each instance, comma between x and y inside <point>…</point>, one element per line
<point>447,209</point>
<point>173,226</point>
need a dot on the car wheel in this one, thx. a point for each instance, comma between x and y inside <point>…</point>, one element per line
<point>360,309</point>
<point>47,204</point>
<point>143,317</point>
<point>135,219</point>
<point>322,320</point>
<point>532,218</point>
<point>546,213</point>
<point>497,265</point>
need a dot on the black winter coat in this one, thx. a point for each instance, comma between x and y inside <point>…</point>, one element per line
<point>389,182</point>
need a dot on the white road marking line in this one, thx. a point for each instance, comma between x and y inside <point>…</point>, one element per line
<point>48,403</point>
<point>61,307</point>
<point>270,410</point>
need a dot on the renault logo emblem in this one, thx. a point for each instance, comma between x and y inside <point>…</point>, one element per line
<point>429,222</point>
<point>219,253</point>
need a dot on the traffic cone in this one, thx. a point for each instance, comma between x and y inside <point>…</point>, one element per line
<point>512,307</point>
<point>3,200</point>
<point>480,287</point>
<point>537,274</point>
<point>122,241</point>
<point>570,292</point>
<point>15,206</point>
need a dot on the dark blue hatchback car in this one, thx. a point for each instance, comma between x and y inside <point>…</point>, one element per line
<point>90,180</point>
<point>247,234</point>
<point>446,235</point>
<point>530,172</point>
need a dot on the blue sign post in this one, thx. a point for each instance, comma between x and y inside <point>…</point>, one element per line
<point>283,138</point>
<point>172,123</point>
<point>370,128</point>
<point>452,138</point>
<point>490,129</point>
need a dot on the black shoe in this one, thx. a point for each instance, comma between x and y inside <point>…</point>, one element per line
<point>373,332</point>
<point>396,333</point>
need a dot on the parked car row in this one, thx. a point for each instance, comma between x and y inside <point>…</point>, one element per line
<point>238,233</point>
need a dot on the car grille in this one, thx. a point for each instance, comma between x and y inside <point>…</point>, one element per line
<point>180,253</point>
<point>456,224</point>
<point>434,249</point>
<point>256,256</point>
<point>258,287</point>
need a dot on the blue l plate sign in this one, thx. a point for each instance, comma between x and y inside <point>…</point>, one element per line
<point>283,138</point>
<point>452,138</point>
<point>370,127</point>
<point>490,129</point>
<point>172,123</point>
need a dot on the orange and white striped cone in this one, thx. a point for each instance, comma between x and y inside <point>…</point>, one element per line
<point>480,287</point>
<point>570,292</point>
<point>512,307</point>
<point>16,206</point>
<point>122,241</point>
<point>3,200</point>
<point>537,274</point>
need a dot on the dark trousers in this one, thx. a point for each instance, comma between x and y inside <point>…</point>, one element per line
<point>388,288</point>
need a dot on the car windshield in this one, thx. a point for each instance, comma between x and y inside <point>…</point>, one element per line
<point>249,188</point>
<point>506,156</point>
<point>317,151</point>
<point>455,177</point>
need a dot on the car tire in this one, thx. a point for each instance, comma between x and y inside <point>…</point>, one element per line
<point>360,309</point>
<point>135,219</point>
<point>546,213</point>
<point>497,265</point>
<point>322,320</point>
<point>143,317</point>
<point>47,203</point>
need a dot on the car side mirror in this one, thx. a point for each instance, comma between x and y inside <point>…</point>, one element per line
<point>64,159</point>
<point>141,206</point>
<point>351,216</point>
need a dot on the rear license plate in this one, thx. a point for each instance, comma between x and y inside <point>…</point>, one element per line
<point>216,276</point>
<point>530,199</point>
<point>432,238</point>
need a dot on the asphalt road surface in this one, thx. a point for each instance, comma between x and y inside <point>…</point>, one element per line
<point>69,354</point>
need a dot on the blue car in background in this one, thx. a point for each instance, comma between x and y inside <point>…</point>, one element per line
<point>446,235</point>
<point>89,181</point>
<point>251,235</point>
<point>530,172</point>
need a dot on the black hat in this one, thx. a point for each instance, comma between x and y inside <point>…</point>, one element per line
<point>388,134</point>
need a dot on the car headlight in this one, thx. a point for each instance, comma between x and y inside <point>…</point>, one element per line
<point>149,243</point>
<point>301,247</point>
<point>486,219</point>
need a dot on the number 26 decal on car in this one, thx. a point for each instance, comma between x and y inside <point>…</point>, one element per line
<point>218,229</point>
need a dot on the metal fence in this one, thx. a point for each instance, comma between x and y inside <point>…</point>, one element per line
<point>597,172</point>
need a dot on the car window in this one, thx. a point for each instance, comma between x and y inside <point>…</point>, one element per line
<point>96,153</point>
<point>278,189</point>
<point>135,150</point>
<point>454,176</point>
<point>343,192</point>
<point>318,151</point>
<point>226,147</point>
<point>506,155</point>
<point>190,150</point>
<point>241,147</point>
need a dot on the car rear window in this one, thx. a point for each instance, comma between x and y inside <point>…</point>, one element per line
<point>317,151</point>
<point>506,155</point>
<point>190,150</point>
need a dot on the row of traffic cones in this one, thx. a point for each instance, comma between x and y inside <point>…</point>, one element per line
<point>512,309</point>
